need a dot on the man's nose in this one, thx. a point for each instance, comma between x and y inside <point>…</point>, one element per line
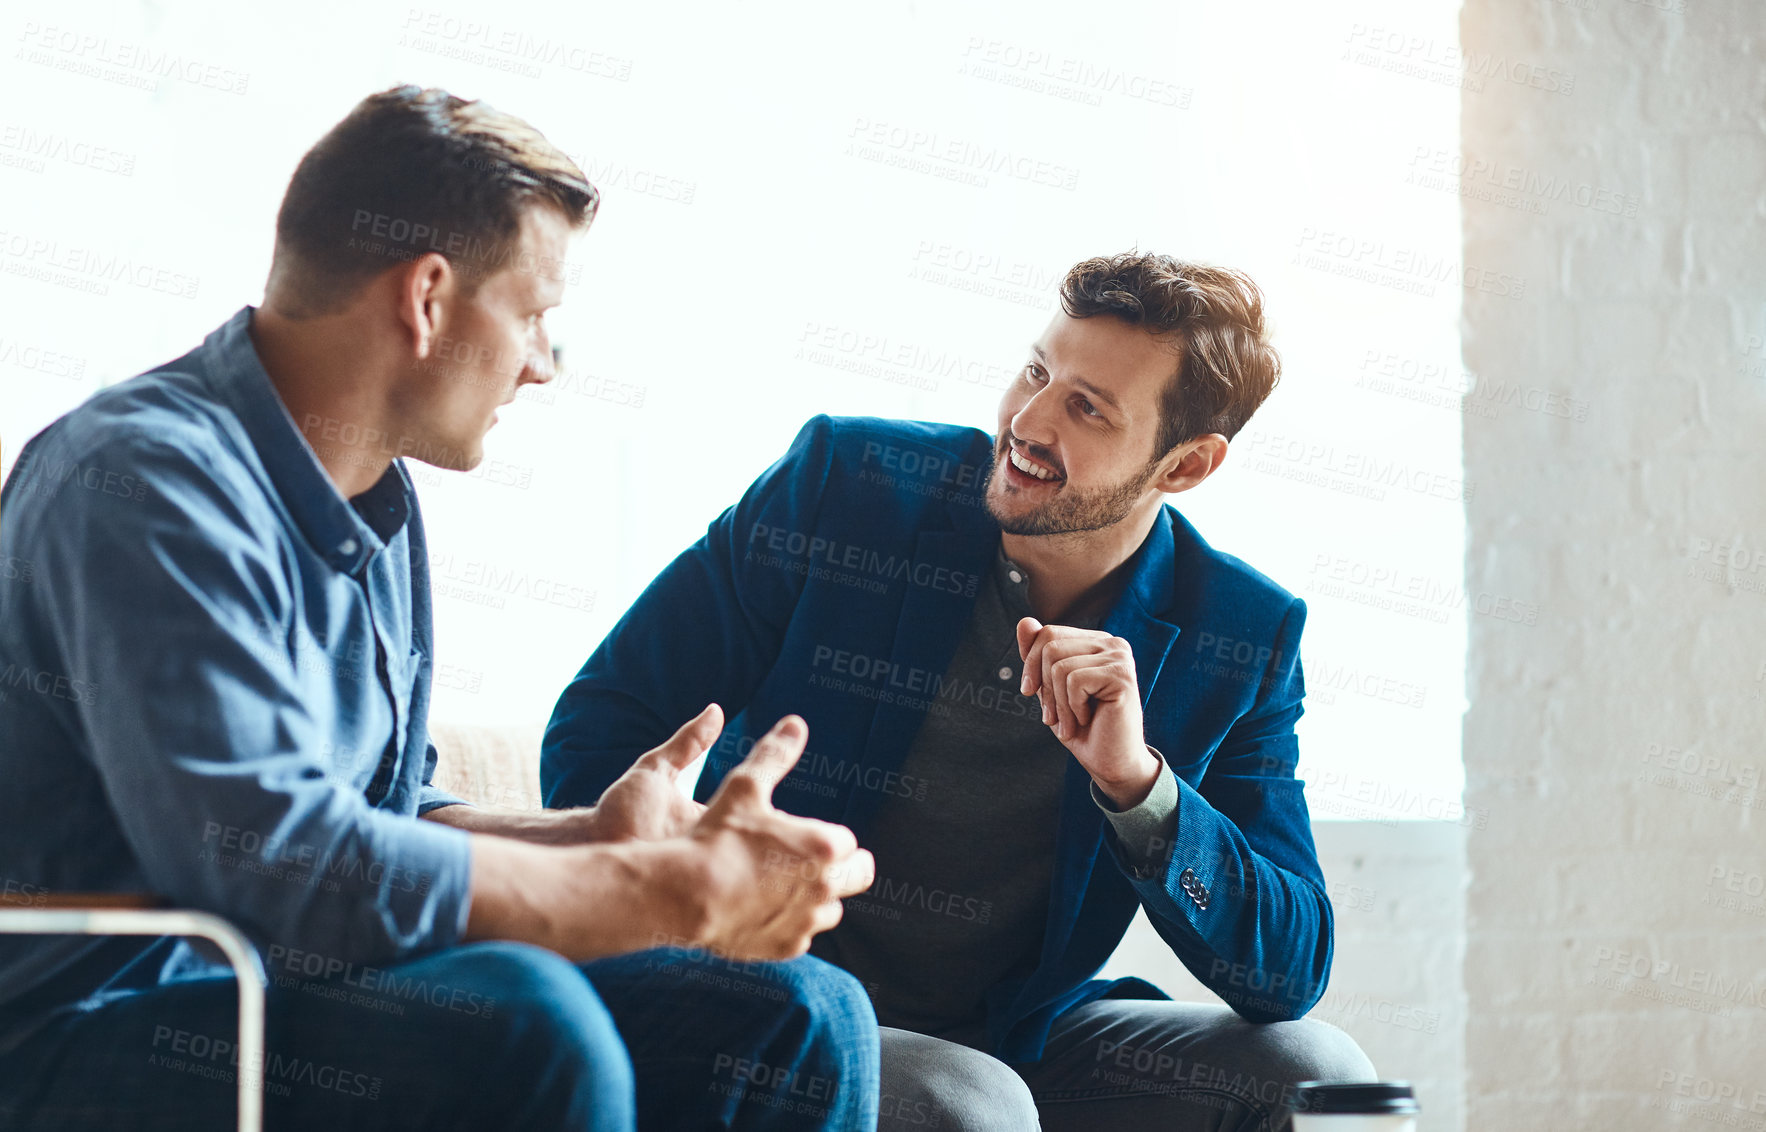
<point>541,367</point>
<point>1034,420</point>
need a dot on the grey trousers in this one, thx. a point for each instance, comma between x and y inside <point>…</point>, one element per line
<point>1119,1064</point>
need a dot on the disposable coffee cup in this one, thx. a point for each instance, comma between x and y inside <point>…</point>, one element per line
<point>1365,1106</point>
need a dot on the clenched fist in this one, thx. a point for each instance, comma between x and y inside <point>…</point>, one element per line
<point>1090,699</point>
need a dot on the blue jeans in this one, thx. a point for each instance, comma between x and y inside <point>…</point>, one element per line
<point>479,1037</point>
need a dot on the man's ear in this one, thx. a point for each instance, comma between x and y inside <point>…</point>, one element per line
<point>427,285</point>
<point>1191,462</point>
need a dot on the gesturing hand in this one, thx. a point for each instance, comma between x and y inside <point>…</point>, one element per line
<point>774,880</point>
<point>646,803</point>
<point>1090,699</point>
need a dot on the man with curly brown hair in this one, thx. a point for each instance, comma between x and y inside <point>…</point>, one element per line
<point>1043,702</point>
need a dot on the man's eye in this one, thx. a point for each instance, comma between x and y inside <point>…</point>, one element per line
<point>1033,374</point>
<point>1087,408</point>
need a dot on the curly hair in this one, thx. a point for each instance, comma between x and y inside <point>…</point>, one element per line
<point>1213,315</point>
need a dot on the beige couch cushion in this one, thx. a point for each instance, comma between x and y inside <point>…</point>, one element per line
<point>490,766</point>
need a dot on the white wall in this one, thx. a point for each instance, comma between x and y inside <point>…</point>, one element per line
<point>1616,960</point>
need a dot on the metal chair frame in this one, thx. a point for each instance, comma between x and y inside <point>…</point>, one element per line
<point>110,914</point>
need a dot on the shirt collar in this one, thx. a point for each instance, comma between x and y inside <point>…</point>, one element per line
<point>346,533</point>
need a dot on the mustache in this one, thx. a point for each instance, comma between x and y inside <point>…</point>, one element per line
<point>1035,451</point>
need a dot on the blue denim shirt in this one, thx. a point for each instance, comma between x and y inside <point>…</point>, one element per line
<point>214,684</point>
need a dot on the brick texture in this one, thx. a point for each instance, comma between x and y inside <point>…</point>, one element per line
<point>1616,916</point>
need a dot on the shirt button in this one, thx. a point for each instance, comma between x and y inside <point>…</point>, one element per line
<point>347,546</point>
<point>1005,674</point>
<point>1015,576</point>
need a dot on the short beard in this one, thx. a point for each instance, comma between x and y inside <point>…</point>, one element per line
<point>1070,514</point>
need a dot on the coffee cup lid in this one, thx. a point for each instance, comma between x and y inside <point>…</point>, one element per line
<point>1361,1097</point>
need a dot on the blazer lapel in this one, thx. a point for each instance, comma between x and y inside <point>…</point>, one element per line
<point>1079,837</point>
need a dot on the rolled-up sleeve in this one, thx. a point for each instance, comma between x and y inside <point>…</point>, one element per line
<point>167,602</point>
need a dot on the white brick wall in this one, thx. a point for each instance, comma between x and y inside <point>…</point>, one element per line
<point>1614,979</point>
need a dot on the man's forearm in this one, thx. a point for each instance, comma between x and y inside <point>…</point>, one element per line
<point>540,827</point>
<point>584,901</point>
